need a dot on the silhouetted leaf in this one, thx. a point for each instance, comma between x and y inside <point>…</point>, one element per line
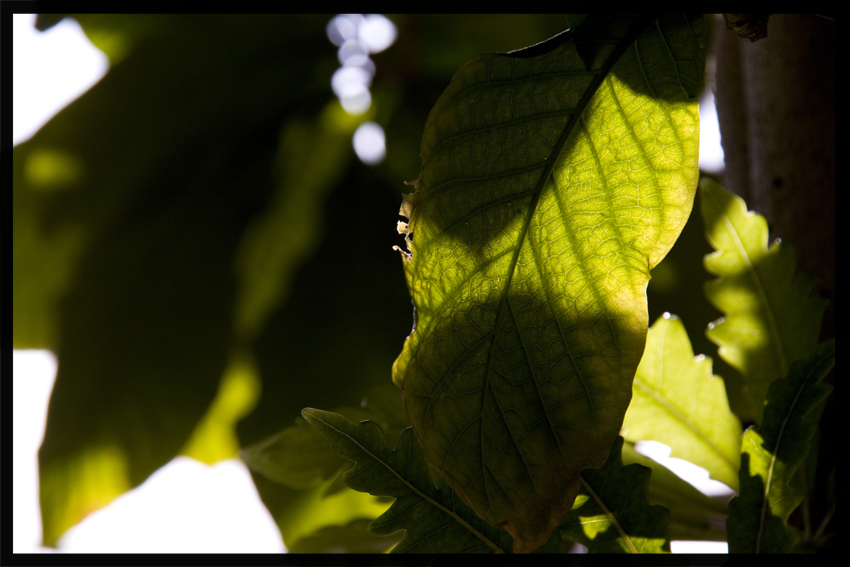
<point>693,515</point>
<point>612,514</point>
<point>773,452</point>
<point>435,518</point>
<point>301,460</point>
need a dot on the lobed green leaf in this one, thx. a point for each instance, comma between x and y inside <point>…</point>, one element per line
<point>612,513</point>
<point>770,319</point>
<point>312,503</point>
<point>435,519</point>
<point>772,454</point>
<point>677,401</point>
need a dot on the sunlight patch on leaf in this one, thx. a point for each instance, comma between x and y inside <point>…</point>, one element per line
<point>677,401</point>
<point>770,319</point>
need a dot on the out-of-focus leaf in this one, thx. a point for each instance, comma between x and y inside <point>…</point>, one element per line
<point>364,321</point>
<point>216,78</point>
<point>129,206</point>
<point>312,157</point>
<point>677,401</point>
<point>117,35</point>
<point>353,537</point>
<point>773,452</point>
<point>612,513</point>
<point>770,318</point>
<point>329,504</point>
<point>435,519</point>
<point>693,515</point>
<point>214,438</point>
<point>553,179</point>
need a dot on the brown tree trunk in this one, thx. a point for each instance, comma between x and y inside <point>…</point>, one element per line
<point>776,107</point>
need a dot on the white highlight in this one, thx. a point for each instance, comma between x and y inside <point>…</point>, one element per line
<point>695,476</point>
<point>699,547</point>
<point>369,143</point>
<point>711,156</point>
<point>49,70</point>
<point>184,507</point>
<point>376,32</point>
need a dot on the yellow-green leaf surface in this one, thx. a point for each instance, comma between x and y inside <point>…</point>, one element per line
<point>770,319</point>
<point>677,401</point>
<point>553,179</point>
<point>772,454</point>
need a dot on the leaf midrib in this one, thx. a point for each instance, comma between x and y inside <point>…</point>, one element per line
<point>779,439</point>
<point>611,517</point>
<point>407,483</point>
<point>772,326</point>
<point>600,76</point>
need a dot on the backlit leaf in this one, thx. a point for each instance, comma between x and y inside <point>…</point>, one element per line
<point>553,179</point>
<point>677,401</point>
<point>773,452</point>
<point>770,318</point>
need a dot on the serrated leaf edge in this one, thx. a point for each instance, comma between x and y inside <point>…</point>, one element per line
<point>776,339</point>
<point>311,414</point>
<point>804,384</point>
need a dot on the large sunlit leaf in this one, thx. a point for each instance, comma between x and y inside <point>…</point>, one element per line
<point>553,179</point>
<point>435,519</point>
<point>612,513</point>
<point>770,318</point>
<point>677,401</point>
<point>773,452</point>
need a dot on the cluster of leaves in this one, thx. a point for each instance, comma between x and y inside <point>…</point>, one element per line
<point>176,271</point>
<point>528,235</point>
<point>640,507</point>
<point>193,235</point>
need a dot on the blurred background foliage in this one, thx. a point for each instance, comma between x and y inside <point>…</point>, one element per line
<point>196,240</point>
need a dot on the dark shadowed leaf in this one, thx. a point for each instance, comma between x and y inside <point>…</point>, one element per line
<point>435,519</point>
<point>612,513</point>
<point>772,454</point>
<point>693,515</point>
<point>306,469</point>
